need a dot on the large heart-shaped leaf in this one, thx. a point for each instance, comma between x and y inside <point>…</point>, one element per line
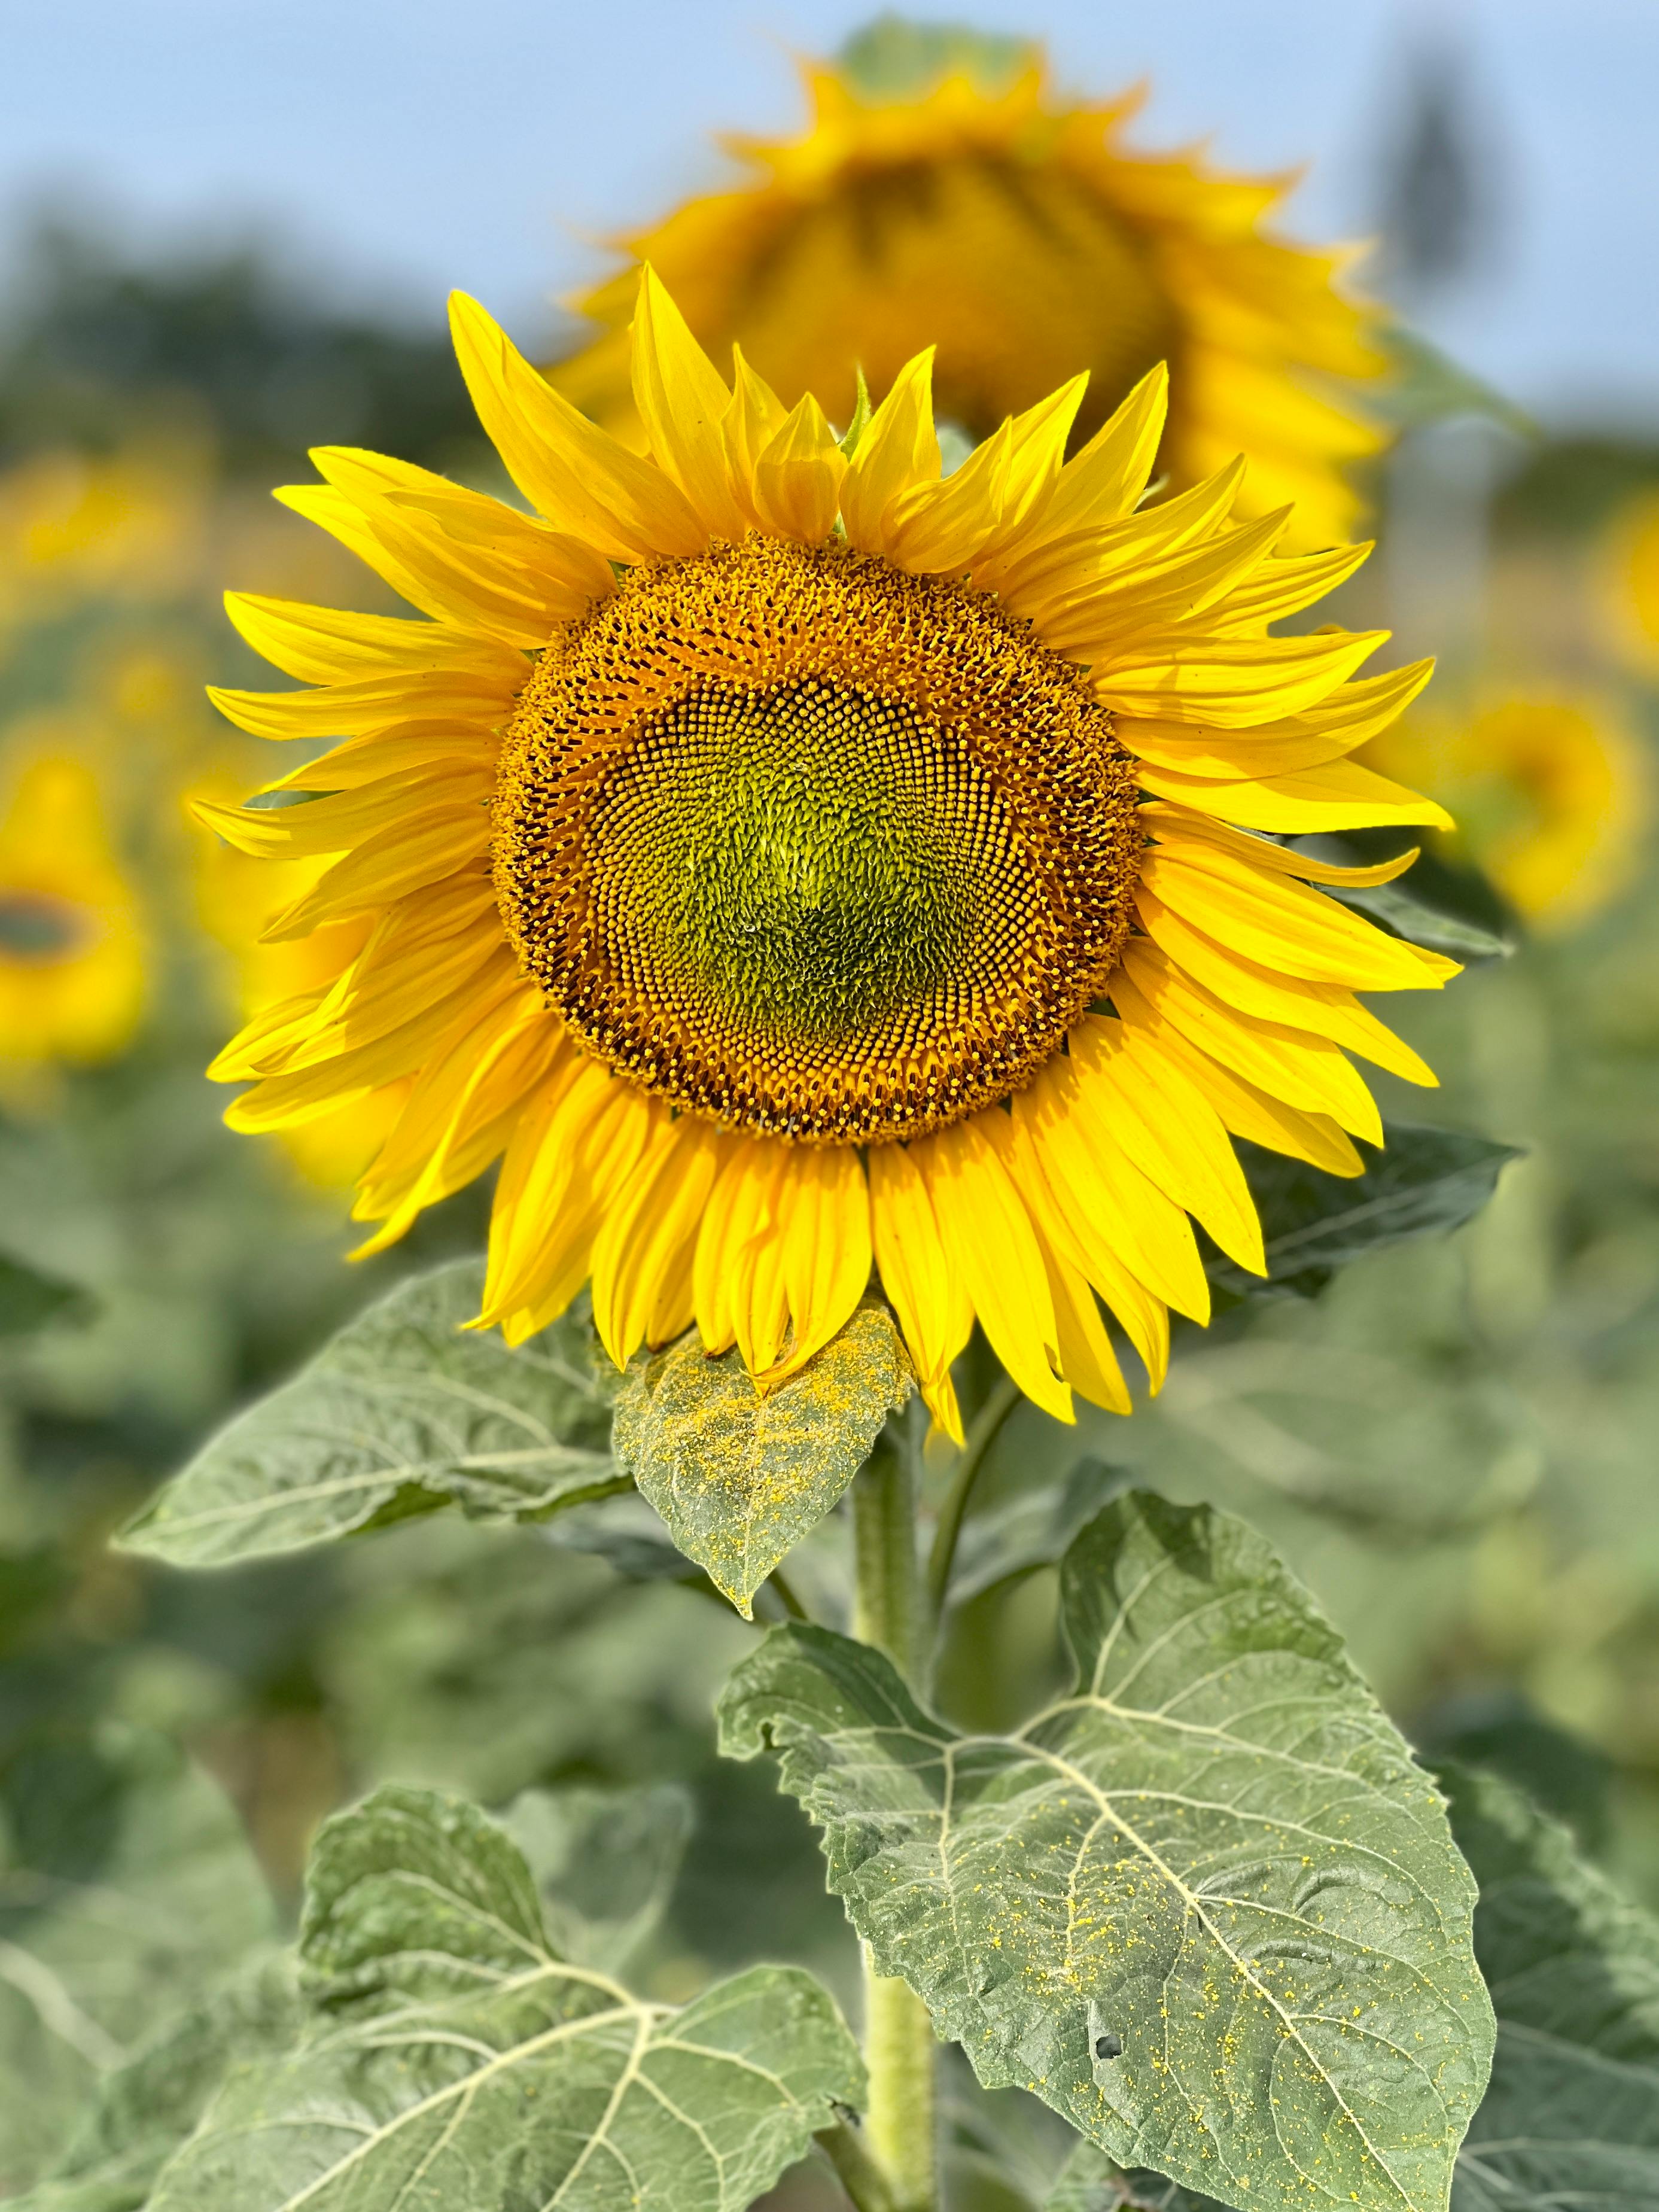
<point>458,2062</point>
<point>1207,1905</point>
<point>739,1477</point>
<point>1572,2115</point>
<point>404,1410</point>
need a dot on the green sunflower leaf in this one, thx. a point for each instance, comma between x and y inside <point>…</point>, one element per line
<point>404,1411</point>
<point>603,1863</point>
<point>1406,915</point>
<point>1206,1906</point>
<point>126,1887</point>
<point>739,1479</point>
<point>1427,386</point>
<point>456,2060</point>
<point>1572,2115</point>
<point>1424,1183</point>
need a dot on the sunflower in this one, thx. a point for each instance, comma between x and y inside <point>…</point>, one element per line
<point>944,192</point>
<point>236,896</point>
<point>71,947</point>
<point>789,860</point>
<point>1630,583</point>
<point>1554,796</point>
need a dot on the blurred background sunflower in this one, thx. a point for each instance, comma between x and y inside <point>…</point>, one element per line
<point>946,193</point>
<point>215,256</point>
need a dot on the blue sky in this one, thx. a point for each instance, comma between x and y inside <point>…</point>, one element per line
<point>408,145</point>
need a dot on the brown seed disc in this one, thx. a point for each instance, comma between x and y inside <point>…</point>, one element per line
<point>811,847</point>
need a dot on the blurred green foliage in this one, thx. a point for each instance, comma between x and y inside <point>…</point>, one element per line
<point>100,348</point>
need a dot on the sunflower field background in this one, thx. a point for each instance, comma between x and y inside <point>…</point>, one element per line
<point>1448,1441</point>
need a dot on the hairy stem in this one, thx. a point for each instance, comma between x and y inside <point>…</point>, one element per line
<point>981,1434</point>
<point>898,2036</point>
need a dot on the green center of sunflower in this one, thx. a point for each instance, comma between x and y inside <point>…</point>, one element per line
<point>806,860</point>
<point>813,847</point>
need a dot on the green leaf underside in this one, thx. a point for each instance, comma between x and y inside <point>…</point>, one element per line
<point>125,1886</point>
<point>1217,1850</point>
<point>739,1479</point>
<point>459,2064</point>
<point>402,1411</point>
<point>1424,1183</point>
<point>1571,2120</point>
<point>1419,923</point>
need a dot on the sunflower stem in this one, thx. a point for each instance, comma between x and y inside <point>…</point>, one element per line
<point>891,1614</point>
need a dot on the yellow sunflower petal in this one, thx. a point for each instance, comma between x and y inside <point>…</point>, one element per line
<point>1232,682</point>
<point>426,848</point>
<point>649,1231</point>
<point>798,476</point>
<point>827,1250</point>
<point>1342,795</point>
<point>1348,717</point>
<point>337,710</point>
<point>579,477</point>
<point>934,1309</point>
<point>1169,1130</point>
<point>753,419</point>
<point>682,401</point>
<point>456,1118</point>
<point>989,1242</point>
<point>609,1148</point>
<point>1175,826</point>
<point>1086,1358</point>
<point>1308,1073</point>
<point>1119,1217</point>
<point>1296,931</point>
<point>321,644</point>
<point>897,450</point>
<point>1327,1010</point>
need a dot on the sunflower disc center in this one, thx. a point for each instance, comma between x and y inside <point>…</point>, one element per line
<point>806,861</point>
<point>810,846</point>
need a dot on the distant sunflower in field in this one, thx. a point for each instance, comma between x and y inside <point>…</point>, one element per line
<point>1553,797</point>
<point>71,944</point>
<point>753,839</point>
<point>944,192</point>
<point>1630,581</point>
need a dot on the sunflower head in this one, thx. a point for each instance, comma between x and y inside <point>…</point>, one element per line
<point>793,862</point>
<point>944,192</point>
<point>71,947</point>
<point>1555,796</point>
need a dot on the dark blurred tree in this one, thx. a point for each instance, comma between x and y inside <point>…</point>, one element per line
<point>98,345</point>
<point>1443,197</point>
